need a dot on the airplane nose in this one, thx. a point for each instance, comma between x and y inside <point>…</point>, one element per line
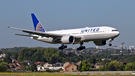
<point>118,33</point>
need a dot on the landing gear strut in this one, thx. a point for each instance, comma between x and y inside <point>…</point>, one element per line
<point>81,47</point>
<point>62,47</point>
<point>110,40</point>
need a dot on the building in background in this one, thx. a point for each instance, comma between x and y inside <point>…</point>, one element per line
<point>131,47</point>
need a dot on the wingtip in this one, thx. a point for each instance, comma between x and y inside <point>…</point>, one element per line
<point>8,26</point>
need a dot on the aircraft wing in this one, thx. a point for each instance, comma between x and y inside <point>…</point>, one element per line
<point>43,34</point>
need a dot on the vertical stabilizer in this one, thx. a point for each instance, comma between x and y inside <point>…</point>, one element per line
<point>37,24</point>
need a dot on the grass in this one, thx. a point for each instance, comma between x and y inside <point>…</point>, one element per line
<point>49,74</point>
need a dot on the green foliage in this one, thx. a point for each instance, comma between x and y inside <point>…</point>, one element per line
<point>7,59</point>
<point>92,60</point>
<point>122,67</point>
<point>100,53</point>
<point>113,66</point>
<point>1,52</point>
<point>80,67</point>
<point>50,55</point>
<point>28,54</point>
<point>35,56</point>
<point>24,64</point>
<point>12,51</point>
<point>71,54</point>
<point>53,59</point>
<point>16,55</point>
<point>133,63</point>
<point>85,66</point>
<point>133,59</point>
<point>8,70</point>
<point>3,66</point>
<point>101,68</point>
<point>129,67</point>
<point>0,61</point>
<point>33,67</point>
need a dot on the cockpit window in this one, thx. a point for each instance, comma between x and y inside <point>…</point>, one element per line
<point>114,30</point>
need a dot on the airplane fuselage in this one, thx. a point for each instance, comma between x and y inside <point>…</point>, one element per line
<point>87,34</point>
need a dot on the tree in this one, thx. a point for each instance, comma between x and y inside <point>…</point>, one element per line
<point>129,67</point>
<point>7,59</point>
<point>33,67</point>
<point>3,66</point>
<point>134,64</point>
<point>92,60</point>
<point>122,67</point>
<point>0,61</point>
<point>125,63</point>
<point>36,56</point>
<point>26,53</point>
<point>133,59</point>
<point>1,52</point>
<point>25,64</point>
<point>48,53</point>
<point>80,67</point>
<point>100,60</point>
<point>101,68</point>
<point>113,65</point>
<point>85,65</point>
<point>16,55</point>
<point>53,60</point>
<point>71,54</point>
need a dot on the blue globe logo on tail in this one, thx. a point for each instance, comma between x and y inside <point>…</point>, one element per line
<point>37,24</point>
<point>40,28</point>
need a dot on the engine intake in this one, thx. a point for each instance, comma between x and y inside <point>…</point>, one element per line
<point>100,43</point>
<point>67,39</point>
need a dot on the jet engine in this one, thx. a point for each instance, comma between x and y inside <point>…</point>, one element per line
<point>67,39</point>
<point>100,43</point>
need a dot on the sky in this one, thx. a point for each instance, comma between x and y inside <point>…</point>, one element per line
<point>65,14</point>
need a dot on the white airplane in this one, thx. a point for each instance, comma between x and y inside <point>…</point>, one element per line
<point>99,35</point>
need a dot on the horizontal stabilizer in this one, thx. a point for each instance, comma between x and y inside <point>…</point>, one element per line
<point>25,35</point>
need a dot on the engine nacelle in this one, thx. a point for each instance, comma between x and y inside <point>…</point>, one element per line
<point>100,43</point>
<point>67,39</point>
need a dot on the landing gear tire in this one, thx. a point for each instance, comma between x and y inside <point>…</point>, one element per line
<point>110,40</point>
<point>110,44</point>
<point>81,47</point>
<point>62,47</point>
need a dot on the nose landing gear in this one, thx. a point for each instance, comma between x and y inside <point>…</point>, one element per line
<point>110,40</point>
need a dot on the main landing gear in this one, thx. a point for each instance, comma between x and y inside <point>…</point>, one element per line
<point>62,47</point>
<point>81,47</point>
<point>110,40</point>
<point>65,46</point>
